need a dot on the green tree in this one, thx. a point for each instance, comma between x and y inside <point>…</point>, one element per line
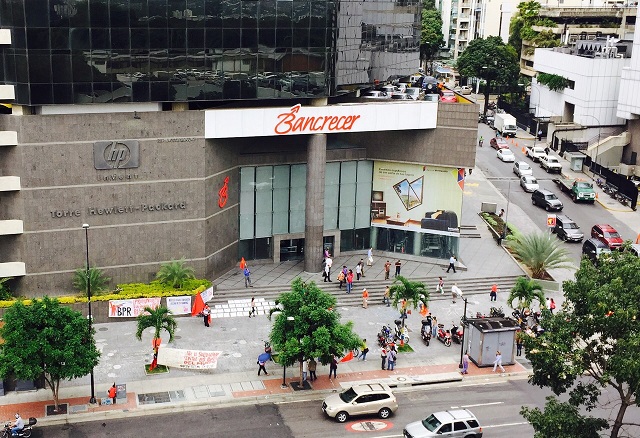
<point>47,338</point>
<point>539,252</point>
<point>5,291</point>
<point>521,22</point>
<point>592,347</point>
<point>525,291</point>
<point>562,420</point>
<point>431,37</point>
<point>492,60</point>
<point>160,319</point>
<point>175,273</point>
<point>413,291</point>
<point>97,280</point>
<point>307,325</point>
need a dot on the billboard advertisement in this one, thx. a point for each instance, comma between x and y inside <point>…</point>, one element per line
<point>413,197</point>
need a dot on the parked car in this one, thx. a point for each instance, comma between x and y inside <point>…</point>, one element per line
<point>635,249</point>
<point>498,143</point>
<point>546,199</point>
<point>567,230</point>
<point>465,90</point>
<point>400,96</point>
<point>375,94</point>
<point>413,92</point>
<point>593,249</point>
<point>459,423</point>
<point>529,183</point>
<point>448,96</point>
<point>608,235</point>
<point>521,168</point>
<point>535,152</point>
<point>506,155</point>
<point>365,399</point>
<point>550,164</point>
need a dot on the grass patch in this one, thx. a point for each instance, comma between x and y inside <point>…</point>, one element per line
<point>160,369</point>
<point>406,348</point>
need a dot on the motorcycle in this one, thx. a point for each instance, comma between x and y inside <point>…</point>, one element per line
<point>600,183</point>
<point>443,335</point>
<point>456,334</point>
<point>400,334</point>
<point>496,312</point>
<point>425,331</point>
<point>384,336</point>
<point>25,433</point>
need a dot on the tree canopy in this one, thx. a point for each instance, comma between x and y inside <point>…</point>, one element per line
<point>592,345</point>
<point>521,21</point>
<point>48,339</point>
<point>97,280</point>
<point>175,273</point>
<point>492,60</point>
<point>307,325</point>
<point>431,37</point>
<point>413,291</point>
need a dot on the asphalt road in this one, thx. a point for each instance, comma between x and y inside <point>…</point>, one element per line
<point>499,173</point>
<point>496,404</point>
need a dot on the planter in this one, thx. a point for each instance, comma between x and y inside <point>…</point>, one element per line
<point>549,285</point>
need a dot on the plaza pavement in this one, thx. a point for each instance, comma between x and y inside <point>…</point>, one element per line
<point>240,339</point>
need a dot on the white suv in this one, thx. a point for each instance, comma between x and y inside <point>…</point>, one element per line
<point>373,398</point>
<point>460,423</point>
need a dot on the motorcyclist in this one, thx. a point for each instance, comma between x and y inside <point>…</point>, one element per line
<point>481,141</point>
<point>17,426</point>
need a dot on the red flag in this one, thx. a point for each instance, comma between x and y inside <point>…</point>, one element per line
<point>348,357</point>
<point>242,263</point>
<point>198,305</point>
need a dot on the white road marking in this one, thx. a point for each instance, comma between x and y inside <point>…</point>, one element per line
<point>478,404</point>
<point>505,425</point>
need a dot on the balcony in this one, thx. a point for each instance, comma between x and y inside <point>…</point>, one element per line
<point>8,138</point>
<point>5,37</point>
<point>9,183</point>
<point>7,92</point>
<point>12,269</point>
<point>11,227</point>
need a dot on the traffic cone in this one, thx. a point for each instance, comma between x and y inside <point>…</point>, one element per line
<point>596,195</point>
<point>523,151</point>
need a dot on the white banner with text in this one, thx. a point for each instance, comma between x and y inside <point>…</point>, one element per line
<point>188,359</point>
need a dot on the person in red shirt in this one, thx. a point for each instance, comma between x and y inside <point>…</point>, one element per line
<point>113,392</point>
<point>349,281</point>
<point>494,292</point>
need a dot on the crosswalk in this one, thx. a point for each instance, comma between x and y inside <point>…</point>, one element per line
<point>234,308</point>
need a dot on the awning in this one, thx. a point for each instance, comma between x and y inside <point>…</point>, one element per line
<point>443,70</point>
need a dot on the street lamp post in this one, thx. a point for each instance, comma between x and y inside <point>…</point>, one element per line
<point>506,216</point>
<point>535,114</point>
<point>92,400</point>
<point>284,366</point>
<point>464,332</point>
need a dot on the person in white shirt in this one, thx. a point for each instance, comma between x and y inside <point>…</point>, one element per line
<point>455,292</point>
<point>452,264</point>
<point>327,269</point>
<point>18,425</point>
<point>498,362</point>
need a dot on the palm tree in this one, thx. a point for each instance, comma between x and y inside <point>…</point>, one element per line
<point>539,253</point>
<point>414,292</point>
<point>160,319</point>
<point>525,292</point>
<point>97,280</point>
<point>175,273</point>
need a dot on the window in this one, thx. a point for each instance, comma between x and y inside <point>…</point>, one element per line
<point>445,428</point>
<point>459,425</point>
<point>473,423</point>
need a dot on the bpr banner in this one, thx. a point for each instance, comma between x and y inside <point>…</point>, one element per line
<point>131,308</point>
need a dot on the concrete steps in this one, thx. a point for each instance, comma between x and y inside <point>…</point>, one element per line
<point>469,286</point>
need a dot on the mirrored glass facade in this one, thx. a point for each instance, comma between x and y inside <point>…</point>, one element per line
<point>99,51</point>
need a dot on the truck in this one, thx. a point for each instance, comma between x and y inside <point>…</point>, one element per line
<point>505,124</point>
<point>535,152</point>
<point>577,189</point>
<point>550,164</point>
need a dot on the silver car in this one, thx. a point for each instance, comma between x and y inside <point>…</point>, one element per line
<point>521,168</point>
<point>529,183</point>
<point>459,423</point>
<point>365,399</point>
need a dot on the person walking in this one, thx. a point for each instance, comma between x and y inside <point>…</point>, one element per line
<point>327,269</point>
<point>434,327</point>
<point>386,296</point>
<point>113,393</point>
<point>452,264</point>
<point>305,369</point>
<point>362,267</point>
<point>253,312</point>
<point>398,265</point>
<point>494,292</point>
<point>387,268</point>
<point>540,135</point>
<point>455,292</point>
<point>333,367</point>
<point>440,286</point>
<point>206,315</point>
<point>365,298</point>
<point>365,350</point>
<point>370,256</point>
<point>358,271</point>
<point>261,367</point>
<point>312,369</point>
<point>349,281</point>
<point>247,276</point>
<point>552,306</point>
<point>342,279</point>
<point>391,358</point>
<point>465,363</point>
<point>498,362</point>
<point>383,357</point>
<point>519,339</point>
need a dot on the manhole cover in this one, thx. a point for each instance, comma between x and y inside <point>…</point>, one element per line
<point>103,329</point>
<point>369,426</point>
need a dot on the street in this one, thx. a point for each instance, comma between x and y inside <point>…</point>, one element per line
<point>502,177</point>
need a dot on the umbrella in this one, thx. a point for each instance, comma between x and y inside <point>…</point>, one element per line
<point>264,357</point>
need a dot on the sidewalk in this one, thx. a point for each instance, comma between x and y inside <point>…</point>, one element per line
<point>240,338</point>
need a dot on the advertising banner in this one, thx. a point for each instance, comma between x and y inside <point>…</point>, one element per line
<point>131,308</point>
<point>413,197</point>
<point>188,359</point>
<point>179,305</point>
